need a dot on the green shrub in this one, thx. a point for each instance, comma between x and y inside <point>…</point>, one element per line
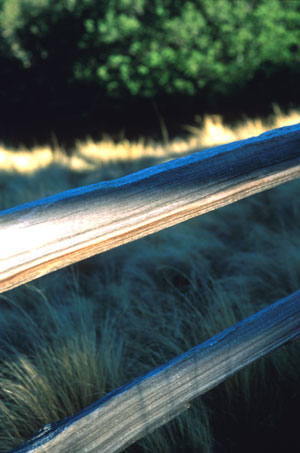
<point>147,48</point>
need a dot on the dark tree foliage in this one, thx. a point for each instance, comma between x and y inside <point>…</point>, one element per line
<point>78,58</point>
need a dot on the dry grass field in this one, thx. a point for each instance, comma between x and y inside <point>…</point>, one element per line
<point>70,337</point>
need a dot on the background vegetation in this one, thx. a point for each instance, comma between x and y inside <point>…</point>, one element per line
<point>84,66</point>
<point>68,338</point>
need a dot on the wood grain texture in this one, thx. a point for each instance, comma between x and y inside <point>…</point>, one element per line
<point>45,235</point>
<point>133,411</point>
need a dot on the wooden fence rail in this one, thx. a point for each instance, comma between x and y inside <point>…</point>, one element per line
<point>45,235</point>
<point>135,410</point>
<point>48,234</point>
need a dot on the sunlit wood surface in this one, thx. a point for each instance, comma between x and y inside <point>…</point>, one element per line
<point>46,235</point>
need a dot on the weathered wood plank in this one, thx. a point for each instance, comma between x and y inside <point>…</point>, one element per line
<point>45,235</point>
<point>131,412</point>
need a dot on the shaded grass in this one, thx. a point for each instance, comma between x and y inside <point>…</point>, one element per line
<point>70,337</point>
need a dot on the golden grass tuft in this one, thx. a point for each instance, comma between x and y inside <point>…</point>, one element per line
<point>90,155</point>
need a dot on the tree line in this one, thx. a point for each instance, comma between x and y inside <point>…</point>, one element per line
<point>78,61</point>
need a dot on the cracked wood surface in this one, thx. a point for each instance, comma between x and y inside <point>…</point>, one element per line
<point>136,409</point>
<point>45,235</point>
